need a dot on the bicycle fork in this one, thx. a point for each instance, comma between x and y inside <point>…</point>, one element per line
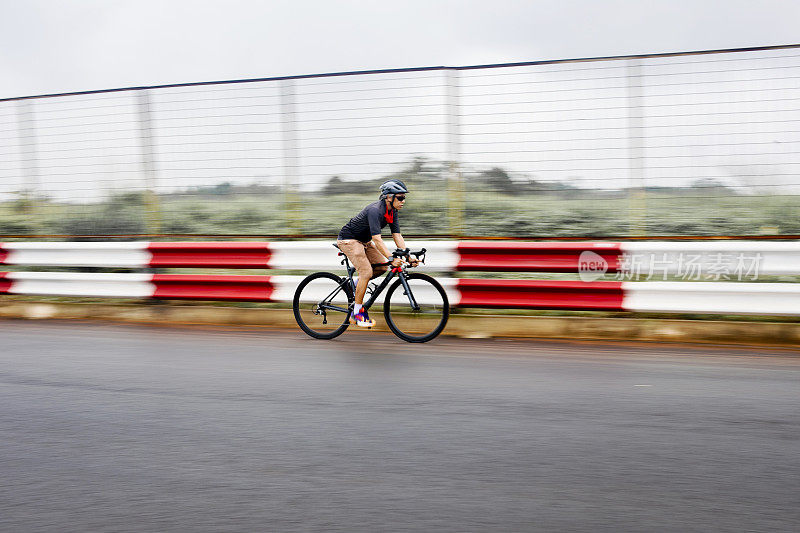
<point>407,292</point>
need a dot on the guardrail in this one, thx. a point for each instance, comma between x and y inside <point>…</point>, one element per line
<point>720,261</point>
<point>773,258</point>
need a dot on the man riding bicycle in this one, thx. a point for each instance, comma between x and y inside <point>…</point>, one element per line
<point>360,240</point>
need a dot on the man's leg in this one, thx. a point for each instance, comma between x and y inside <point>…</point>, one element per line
<point>375,257</point>
<point>361,287</point>
<point>355,252</point>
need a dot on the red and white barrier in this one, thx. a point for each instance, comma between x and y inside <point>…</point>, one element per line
<point>719,259</point>
<point>702,297</point>
<point>493,256</point>
<point>643,258</point>
<point>167,286</point>
<point>297,255</point>
<point>162,286</point>
<point>139,254</point>
<point>540,294</point>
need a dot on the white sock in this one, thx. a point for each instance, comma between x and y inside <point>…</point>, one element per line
<point>356,308</point>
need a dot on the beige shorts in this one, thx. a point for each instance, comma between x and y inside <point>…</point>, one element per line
<point>363,255</point>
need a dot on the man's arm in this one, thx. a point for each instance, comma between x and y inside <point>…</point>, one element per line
<point>398,240</point>
<point>381,246</point>
<point>401,243</point>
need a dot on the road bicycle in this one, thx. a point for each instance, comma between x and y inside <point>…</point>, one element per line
<point>416,307</point>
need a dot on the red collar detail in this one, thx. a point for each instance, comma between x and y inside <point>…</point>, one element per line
<point>389,214</point>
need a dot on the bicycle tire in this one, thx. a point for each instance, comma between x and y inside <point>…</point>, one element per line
<point>444,303</point>
<point>297,306</point>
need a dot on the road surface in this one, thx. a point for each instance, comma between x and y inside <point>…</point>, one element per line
<point>133,428</point>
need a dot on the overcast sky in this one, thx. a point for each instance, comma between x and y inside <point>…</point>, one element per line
<point>51,46</point>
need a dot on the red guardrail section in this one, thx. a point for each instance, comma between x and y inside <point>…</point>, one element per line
<point>180,286</point>
<point>532,256</point>
<point>3,254</point>
<point>536,294</point>
<point>5,284</point>
<point>210,254</point>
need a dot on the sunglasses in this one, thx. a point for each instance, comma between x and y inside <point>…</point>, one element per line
<point>400,197</point>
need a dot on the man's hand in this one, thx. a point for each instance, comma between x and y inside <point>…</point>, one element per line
<point>413,261</point>
<point>397,261</point>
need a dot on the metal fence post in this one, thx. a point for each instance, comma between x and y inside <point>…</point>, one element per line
<point>151,203</point>
<point>291,204</point>
<point>26,130</point>
<point>637,199</point>
<point>455,182</point>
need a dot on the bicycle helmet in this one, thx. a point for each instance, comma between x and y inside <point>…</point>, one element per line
<point>393,187</point>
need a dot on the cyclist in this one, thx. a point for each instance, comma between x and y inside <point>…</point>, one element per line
<point>360,240</point>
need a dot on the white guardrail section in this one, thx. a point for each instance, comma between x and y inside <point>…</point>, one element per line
<point>131,254</point>
<point>668,296</point>
<point>712,297</point>
<point>317,255</point>
<point>734,259</point>
<point>100,284</point>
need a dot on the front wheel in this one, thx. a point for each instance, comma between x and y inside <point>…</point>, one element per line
<point>422,322</point>
<point>322,304</point>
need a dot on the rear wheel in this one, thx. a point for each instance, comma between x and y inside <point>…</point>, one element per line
<point>322,304</point>
<point>424,322</point>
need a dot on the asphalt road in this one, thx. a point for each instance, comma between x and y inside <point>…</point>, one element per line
<point>127,428</point>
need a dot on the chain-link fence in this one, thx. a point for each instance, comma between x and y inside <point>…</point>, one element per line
<point>700,143</point>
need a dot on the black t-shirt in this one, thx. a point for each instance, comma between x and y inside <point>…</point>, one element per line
<point>369,222</point>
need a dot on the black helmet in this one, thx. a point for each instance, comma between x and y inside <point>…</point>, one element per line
<point>393,187</point>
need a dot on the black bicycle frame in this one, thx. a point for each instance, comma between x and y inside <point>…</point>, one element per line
<point>349,279</point>
<point>385,283</point>
<point>326,306</point>
<point>375,293</point>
